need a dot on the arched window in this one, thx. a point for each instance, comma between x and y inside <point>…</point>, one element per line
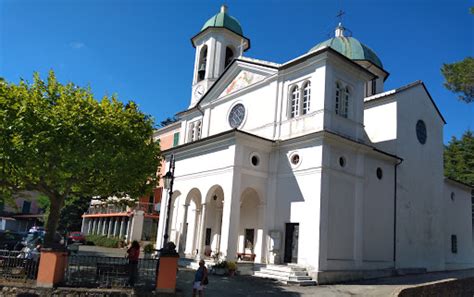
<point>295,102</point>
<point>338,98</point>
<point>306,97</point>
<point>229,56</point>
<point>202,63</point>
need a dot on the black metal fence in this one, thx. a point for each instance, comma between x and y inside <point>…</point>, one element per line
<point>108,272</point>
<point>18,266</point>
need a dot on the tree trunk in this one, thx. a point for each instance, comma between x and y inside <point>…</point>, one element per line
<point>53,220</point>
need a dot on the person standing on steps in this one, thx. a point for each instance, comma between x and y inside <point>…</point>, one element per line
<point>200,280</point>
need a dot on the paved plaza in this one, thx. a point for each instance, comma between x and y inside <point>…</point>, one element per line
<point>240,286</point>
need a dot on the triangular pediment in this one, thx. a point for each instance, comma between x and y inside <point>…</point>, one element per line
<point>240,76</point>
<point>243,79</point>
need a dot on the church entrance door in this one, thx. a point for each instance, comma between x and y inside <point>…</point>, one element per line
<point>291,242</point>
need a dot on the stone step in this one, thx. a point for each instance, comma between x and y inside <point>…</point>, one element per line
<point>284,273</point>
<point>285,268</point>
<point>292,280</point>
<point>303,283</point>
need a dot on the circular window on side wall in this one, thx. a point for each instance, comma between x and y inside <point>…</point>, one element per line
<point>342,161</point>
<point>379,173</point>
<point>421,131</point>
<point>255,159</point>
<point>295,159</point>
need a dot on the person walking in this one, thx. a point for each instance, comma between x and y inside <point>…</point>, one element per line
<point>132,254</point>
<point>200,280</point>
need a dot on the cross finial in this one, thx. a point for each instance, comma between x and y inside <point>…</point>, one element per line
<point>340,15</point>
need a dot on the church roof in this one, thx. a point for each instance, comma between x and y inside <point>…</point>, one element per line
<point>349,47</point>
<point>224,20</point>
<point>385,94</point>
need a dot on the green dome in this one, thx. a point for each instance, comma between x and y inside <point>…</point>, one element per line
<point>349,47</point>
<point>224,20</point>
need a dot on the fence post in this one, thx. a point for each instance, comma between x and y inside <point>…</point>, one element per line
<point>51,268</point>
<point>166,278</point>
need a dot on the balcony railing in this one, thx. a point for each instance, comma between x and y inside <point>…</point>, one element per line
<point>147,208</point>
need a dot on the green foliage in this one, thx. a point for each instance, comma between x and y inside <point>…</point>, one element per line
<point>60,141</point>
<point>71,214</point>
<point>99,240</point>
<point>459,78</point>
<point>220,264</point>
<point>459,158</point>
<point>149,248</point>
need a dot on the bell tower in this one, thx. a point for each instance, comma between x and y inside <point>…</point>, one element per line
<point>220,41</point>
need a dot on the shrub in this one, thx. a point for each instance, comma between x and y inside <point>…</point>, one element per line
<point>104,241</point>
<point>149,248</point>
<point>231,265</point>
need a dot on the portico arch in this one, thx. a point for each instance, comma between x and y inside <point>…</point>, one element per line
<point>189,225</point>
<point>250,240</point>
<point>211,222</point>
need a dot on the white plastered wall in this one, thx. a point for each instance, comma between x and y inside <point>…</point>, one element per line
<point>458,221</point>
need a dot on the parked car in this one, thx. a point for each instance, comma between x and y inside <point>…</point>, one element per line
<point>11,240</point>
<point>76,237</point>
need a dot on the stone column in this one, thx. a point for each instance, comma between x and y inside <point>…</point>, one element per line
<point>110,227</point>
<point>90,225</point>
<point>230,218</point>
<point>99,226</point>
<point>116,226</point>
<point>260,242</point>
<point>128,228</point>
<point>182,240</point>
<point>122,227</point>
<point>136,227</point>
<point>201,230</point>
<point>83,226</point>
<point>104,226</point>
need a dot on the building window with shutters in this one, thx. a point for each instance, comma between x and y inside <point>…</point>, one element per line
<point>176,139</point>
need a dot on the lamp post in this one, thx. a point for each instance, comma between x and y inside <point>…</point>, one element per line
<point>168,181</point>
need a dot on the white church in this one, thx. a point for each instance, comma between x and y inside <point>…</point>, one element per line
<point>312,162</point>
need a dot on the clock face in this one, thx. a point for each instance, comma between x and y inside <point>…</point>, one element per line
<point>236,115</point>
<point>199,91</point>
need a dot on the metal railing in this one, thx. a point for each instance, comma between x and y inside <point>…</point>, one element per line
<point>17,265</point>
<point>148,208</point>
<point>108,272</point>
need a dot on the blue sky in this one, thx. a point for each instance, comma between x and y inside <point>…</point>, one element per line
<point>141,50</point>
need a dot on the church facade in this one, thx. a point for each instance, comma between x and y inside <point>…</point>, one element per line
<point>312,162</point>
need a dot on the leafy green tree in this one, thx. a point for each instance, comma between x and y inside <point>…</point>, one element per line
<point>459,158</point>
<point>459,78</point>
<point>58,140</point>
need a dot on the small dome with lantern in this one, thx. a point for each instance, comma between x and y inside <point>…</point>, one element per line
<point>224,20</point>
<point>349,47</point>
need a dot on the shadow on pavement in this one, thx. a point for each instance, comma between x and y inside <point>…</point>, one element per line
<point>233,286</point>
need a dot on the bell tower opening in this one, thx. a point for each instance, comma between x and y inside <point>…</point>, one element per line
<point>202,63</point>
<point>229,56</point>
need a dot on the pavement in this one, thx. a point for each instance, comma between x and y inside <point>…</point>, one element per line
<point>239,286</point>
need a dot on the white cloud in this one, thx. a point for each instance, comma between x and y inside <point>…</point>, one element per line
<point>77,45</point>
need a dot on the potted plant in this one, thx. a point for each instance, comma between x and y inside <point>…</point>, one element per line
<point>220,268</point>
<point>148,249</point>
<point>232,267</point>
